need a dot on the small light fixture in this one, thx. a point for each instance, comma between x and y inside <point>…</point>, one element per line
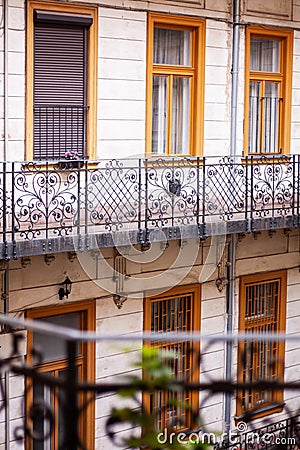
<point>66,289</point>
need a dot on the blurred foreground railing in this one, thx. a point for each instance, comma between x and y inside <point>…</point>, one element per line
<point>54,401</point>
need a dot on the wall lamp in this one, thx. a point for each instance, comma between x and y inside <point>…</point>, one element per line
<point>65,290</point>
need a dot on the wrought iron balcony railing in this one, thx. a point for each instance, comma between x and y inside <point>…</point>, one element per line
<point>42,414</point>
<point>131,201</point>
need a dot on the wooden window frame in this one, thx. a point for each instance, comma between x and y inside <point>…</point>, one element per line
<point>193,289</point>
<point>283,77</point>
<point>91,120</point>
<point>277,404</point>
<point>85,362</point>
<point>196,72</point>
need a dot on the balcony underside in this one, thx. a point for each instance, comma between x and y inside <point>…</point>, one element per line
<point>9,250</point>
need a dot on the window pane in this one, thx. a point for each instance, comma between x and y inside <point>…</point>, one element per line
<point>254,117</point>
<point>171,47</point>
<point>264,55</point>
<point>261,316</point>
<point>159,114</point>
<point>173,314</point>
<point>180,115</point>
<point>271,118</point>
<point>54,348</point>
<point>61,423</point>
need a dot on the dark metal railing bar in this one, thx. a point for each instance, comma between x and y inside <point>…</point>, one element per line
<point>71,437</point>
<point>146,199</point>
<point>273,188</point>
<point>246,193</point>
<point>298,188</point>
<point>140,197</point>
<point>65,118</point>
<point>78,200</point>
<point>172,196</point>
<point>13,227</point>
<point>251,193</point>
<point>40,133</point>
<point>85,197</point>
<point>198,194</point>
<point>53,132</point>
<point>47,200</point>
<point>72,142</point>
<point>59,128</point>
<point>85,336</point>
<point>4,218</point>
<point>204,197</point>
<point>294,188</point>
<point>47,137</point>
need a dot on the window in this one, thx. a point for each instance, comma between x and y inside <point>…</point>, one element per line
<point>52,360</point>
<point>177,310</point>
<point>268,90</point>
<point>175,85</point>
<point>262,310</point>
<point>61,81</point>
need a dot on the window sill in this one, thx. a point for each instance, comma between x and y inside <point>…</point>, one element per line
<point>260,412</point>
<point>267,159</point>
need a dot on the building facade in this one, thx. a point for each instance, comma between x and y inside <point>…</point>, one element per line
<point>149,154</point>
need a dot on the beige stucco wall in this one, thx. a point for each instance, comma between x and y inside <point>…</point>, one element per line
<point>122,73</point>
<point>37,285</point>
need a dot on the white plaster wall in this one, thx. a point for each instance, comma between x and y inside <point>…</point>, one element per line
<point>37,285</point>
<point>217,89</point>
<point>16,81</point>
<point>121,83</point>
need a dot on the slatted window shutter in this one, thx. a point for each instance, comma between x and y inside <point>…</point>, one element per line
<point>60,66</point>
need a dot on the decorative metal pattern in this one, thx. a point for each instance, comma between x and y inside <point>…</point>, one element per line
<point>45,201</point>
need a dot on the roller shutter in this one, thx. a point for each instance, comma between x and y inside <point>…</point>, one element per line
<point>60,65</point>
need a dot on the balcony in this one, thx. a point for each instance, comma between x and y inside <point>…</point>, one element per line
<point>61,205</point>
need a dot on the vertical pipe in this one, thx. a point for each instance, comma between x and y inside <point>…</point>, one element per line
<point>234,74</point>
<point>5,69</point>
<point>5,296</point>
<point>232,244</point>
<point>6,276</point>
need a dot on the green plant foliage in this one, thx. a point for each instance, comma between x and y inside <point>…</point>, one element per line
<point>157,375</point>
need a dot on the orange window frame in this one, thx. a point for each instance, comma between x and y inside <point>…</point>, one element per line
<point>283,78</point>
<point>92,70</point>
<point>191,292</point>
<point>85,362</point>
<point>195,72</point>
<point>251,319</point>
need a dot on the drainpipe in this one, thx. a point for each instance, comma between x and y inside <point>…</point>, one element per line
<point>5,297</point>
<point>6,274</point>
<point>230,291</point>
<point>5,81</point>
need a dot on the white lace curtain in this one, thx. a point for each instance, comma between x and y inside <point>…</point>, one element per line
<point>264,98</point>
<point>171,47</point>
